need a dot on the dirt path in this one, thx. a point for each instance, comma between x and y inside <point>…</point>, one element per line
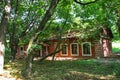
<point>6,76</point>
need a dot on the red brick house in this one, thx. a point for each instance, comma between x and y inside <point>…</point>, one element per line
<point>74,48</point>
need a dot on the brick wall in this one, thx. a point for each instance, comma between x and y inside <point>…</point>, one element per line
<point>98,48</point>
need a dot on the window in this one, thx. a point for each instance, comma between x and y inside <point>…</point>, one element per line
<point>22,50</point>
<point>45,50</point>
<point>64,51</point>
<point>74,49</point>
<point>86,49</point>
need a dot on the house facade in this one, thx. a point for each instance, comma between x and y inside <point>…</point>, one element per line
<point>71,47</point>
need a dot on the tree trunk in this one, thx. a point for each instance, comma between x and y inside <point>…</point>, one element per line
<point>13,47</point>
<point>29,59</point>
<point>3,26</point>
<point>53,58</point>
<point>28,69</point>
<point>13,51</point>
<point>45,19</point>
<point>2,48</point>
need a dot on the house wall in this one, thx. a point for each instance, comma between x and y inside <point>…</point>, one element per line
<point>99,48</point>
<point>103,47</point>
<point>21,53</point>
<point>69,42</point>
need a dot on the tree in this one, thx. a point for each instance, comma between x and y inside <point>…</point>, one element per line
<point>43,22</point>
<point>23,22</point>
<point>30,18</point>
<point>41,27</point>
<point>3,26</point>
<point>100,14</point>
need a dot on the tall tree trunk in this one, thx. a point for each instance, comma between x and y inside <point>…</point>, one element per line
<point>14,40</point>
<point>2,48</point>
<point>45,19</point>
<point>13,46</point>
<point>13,51</point>
<point>3,26</point>
<point>28,68</point>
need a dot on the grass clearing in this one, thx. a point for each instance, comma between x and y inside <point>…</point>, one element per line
<point>66,70</point>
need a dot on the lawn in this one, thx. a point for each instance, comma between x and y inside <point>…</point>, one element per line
<point>116,46</point>
<point>67,70</point>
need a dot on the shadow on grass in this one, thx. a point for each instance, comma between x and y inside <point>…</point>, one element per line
<point>74,75</point>
<point>66,70</point>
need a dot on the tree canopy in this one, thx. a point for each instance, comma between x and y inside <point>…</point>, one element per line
<point>29,22</point>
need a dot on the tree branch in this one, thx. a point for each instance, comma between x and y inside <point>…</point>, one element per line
<point>45,19</point>
<point>28,27</point>
<point>50,55</point>
<point>82,3</point>
<point>48,14</point>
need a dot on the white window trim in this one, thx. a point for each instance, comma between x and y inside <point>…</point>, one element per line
<point>41,54</point>
<point>90,49</point>
<point>66,50</point>
<point>77,49</point>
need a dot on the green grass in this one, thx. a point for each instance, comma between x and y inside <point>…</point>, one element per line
<point>66,70</point>
<point>116,46</point>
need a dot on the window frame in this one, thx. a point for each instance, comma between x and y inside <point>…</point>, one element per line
<point>90,49</point>
<point>77,49</point>
<point>66,50</point>
<point>46,50</point>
